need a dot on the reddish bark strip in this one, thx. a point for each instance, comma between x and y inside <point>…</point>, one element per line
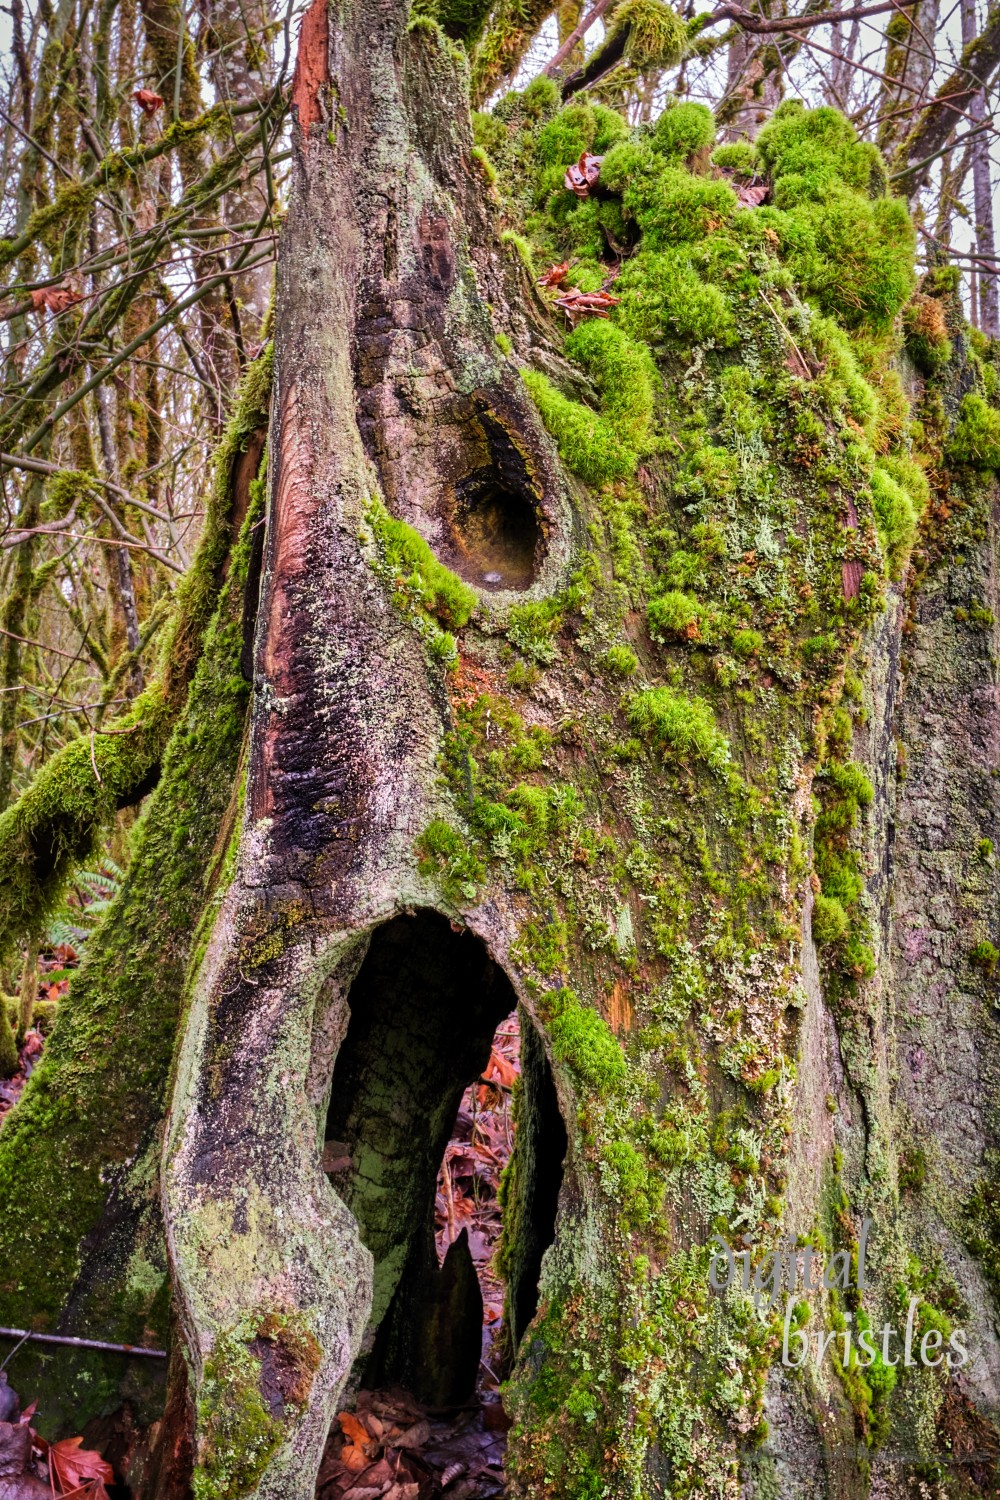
<point>853,573</point>
<point>312,66</point>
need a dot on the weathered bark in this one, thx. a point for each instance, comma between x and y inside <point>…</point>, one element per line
<point>908,68</point>
<point>376,262</point>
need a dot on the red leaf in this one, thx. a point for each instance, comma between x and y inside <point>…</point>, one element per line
<point>499,1069</point>
<point>147,101</point>
<point>555,275</point>
<point>74,1466</point>
<point>576,303</point>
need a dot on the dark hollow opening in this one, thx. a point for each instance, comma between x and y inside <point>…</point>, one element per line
<point>423,1011</point>
<point>496,532</point>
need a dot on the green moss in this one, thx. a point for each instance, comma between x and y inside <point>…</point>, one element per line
<point>533,627</point>
<point>912,1169</point>
<point>43,1013</point>
<point>830,922</point>
<point>976,438</point>
<point>985,956</point>
<point>584,1042</point>
<point>738,156</point>
<point>675,722</point>
<point>8,1043</point>
<point>682,129</point>
<point>563,139</point>
<point>679,614</point>
<point>238,1428</point>
<point>601,449</point>
<point>810,153</point>
<point>625,375</point>
<point>92,1102</point>
<point>415,568</point>
<point>747,643</point>
<point>896,517</point>
<point>671,206</point>
<point>664,296</point>
<point>442,852</point>
<point>587,443</point>
<point>846,244</point>
<point>657,37</point>
<point>621,660</point>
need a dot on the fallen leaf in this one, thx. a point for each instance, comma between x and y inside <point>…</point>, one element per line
<point>753,195</point>
<point>498,1067</point>
<point>75,1467</point>
<point>581,177</point>
<point>555,275</point>
<point>147,101</point>
<point>415,1436</point>
<point>577,304</point>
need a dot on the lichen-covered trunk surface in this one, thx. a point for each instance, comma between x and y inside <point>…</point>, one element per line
<point>387,380</point>
<point>575,674</point>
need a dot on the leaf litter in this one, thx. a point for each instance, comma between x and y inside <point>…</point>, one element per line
<point>31,1468</point>
<point>389,1446</point>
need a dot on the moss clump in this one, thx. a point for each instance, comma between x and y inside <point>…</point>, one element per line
<point>414,567</point>
<point>673,721</point>
<point>575,129</point>
<point>830,922</point>
<point>676,613</point>
<point>664,296</point>
<point>607,447</point>
<point>623,372</point>
<point>586,442</point>
<point>846,244</point>
<point>239,1428</point>
<point>442,852</point>
<point>897,513</point>
<point>985,956</point>
<point>8,1044</point>
<point>621,660</point>
<point>584,1042</point>
<point>927,333</point>
<point>976,439</point>
<point>843,790</point>
<point>670,205</point>
<point>738,156</point>
<point>682,129</point>
<point>657,37</point>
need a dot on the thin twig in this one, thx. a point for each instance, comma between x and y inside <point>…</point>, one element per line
<point>62,1338</point>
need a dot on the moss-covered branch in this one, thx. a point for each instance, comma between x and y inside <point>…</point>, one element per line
<point>75,795</point>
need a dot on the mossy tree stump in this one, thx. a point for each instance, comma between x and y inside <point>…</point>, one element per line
<point>560,650</point>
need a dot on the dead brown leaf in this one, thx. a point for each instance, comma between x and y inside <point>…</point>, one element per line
<point>147,101</point>
<point>581,177</point>
<point>54,299</point>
